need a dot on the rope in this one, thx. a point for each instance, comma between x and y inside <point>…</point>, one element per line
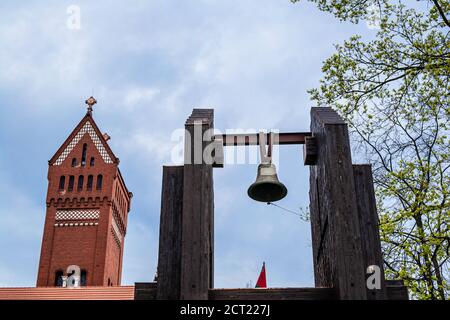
<point>287,210</point>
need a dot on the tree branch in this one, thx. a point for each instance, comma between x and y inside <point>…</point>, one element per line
<point>441,12</point>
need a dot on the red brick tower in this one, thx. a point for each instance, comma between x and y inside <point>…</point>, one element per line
<point>87,210</point>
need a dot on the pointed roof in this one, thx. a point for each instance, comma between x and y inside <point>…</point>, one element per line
<point>87,125</point>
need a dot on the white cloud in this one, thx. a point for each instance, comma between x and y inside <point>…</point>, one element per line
<point>22,218</point>
<point>21,234</point>
<point>135,96</point>
<point>38,53</point>
<point>156,147</point>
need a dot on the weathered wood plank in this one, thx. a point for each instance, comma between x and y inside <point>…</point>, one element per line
<point>336,237</point>
<point>309,151</point>
<point>197,250</point>
<point>145,291</point>
<point>169,259</point>
<point>368,222</point>
<point>396,290</point>
<point>273,294</point>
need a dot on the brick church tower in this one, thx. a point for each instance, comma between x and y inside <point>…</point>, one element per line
<point>87,210</point>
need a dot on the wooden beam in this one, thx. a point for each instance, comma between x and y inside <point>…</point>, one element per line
<point>273,294</point>
<point>145,291</point>
<point>197,248</point>
<point>396,290</point>
<point>169,259</point>
<point>369,224</point>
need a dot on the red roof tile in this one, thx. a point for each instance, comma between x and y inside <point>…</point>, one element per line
<point>55,293</point>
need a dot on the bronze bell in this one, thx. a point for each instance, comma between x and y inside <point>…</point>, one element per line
<point>267,187</point>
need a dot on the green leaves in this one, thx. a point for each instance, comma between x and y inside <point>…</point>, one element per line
<point>349,10</point>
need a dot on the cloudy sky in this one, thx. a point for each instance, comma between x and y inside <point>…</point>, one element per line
<point>148,63</point>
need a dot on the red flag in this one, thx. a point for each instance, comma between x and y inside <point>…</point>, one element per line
<point>262,278</point>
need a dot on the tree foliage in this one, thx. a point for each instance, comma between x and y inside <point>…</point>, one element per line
<point>394,91</point>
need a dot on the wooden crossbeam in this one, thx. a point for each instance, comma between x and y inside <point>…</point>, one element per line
<point>252,139</point>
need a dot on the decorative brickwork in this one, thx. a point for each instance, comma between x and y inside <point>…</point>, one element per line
<point>87,128</point>
<point>116,228</point>
<point>116,237</point>
<point>76,224</point>
<point>77,214</point>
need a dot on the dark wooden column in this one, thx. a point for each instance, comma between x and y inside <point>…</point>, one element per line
<point>369,225</point>
<point>197,250</point>
<point>169,259</point>
<point>336,238</point>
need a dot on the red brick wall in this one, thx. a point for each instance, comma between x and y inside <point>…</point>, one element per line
<point>74,245</point>
<point>114,256</point>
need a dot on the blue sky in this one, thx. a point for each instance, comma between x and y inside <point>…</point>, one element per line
<point>148,63</point>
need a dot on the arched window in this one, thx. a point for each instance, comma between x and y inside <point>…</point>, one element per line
<point>92,163</point>
<point>90,182</point>
<point>80,183</point>
<point>62,182</point>
<point>74,162</point>
<point>71,183</point>
<point>99,182</point>
<point>83,155</point>
<point>59,278</point>
<point>83,278</point>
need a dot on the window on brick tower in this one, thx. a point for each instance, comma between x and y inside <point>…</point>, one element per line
<point>83,155</point>
<point>62,182</point>
<point>92,163</point>
<point>59,278</point>
<point>80,183</point>
<point>99,182</point>
<point>71,183</point>
<point>83,278</point>
<point>74,162</point>
<point>90,182</point>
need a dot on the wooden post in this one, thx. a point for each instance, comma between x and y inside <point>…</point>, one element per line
<point>197,250</point>
<point>368,222</point>
<point>336,237</point>
<point>169,260</point>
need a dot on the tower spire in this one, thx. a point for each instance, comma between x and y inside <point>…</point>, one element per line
<point>90,102</point>
<point>81,229</point>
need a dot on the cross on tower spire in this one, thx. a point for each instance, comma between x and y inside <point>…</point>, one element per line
<point>90,102</point>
